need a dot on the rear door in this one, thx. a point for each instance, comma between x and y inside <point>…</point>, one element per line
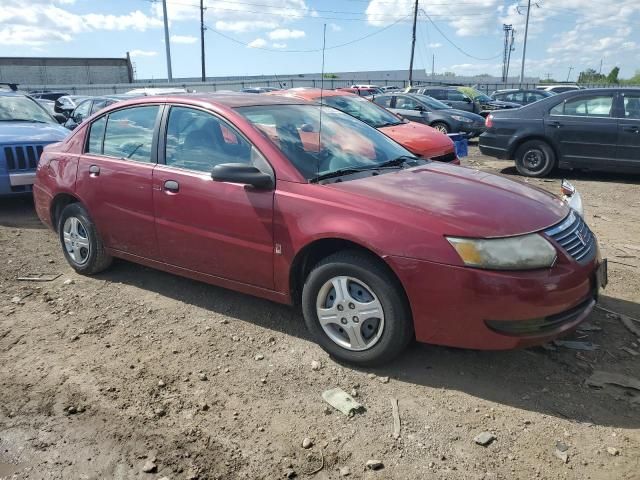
<point>217,228</point>
<point>114,178</point>
<point>584,130</point>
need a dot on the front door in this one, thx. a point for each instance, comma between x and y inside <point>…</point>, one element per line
<point>628,152</point>
<point>114,178</point>
<point>584,130</point>
<point>216,228</point>
<point>411,109</point>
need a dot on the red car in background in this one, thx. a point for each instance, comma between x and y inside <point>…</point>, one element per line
<point>377,245</point>
<point>419,139</point>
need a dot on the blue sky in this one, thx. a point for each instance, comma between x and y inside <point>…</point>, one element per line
<point>260,36</point>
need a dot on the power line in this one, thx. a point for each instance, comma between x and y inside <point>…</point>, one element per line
<point>235,40</point>
<point>452,43</point>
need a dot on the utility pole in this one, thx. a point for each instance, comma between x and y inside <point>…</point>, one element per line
<point>413,42</point>
<point>511,49</point>
<point>506,29</point>
<point>569,74</point>
<point>600,71</point>
<point>204,75</point>
<point>166,40</point>
<point>433,66</point>
<point>524,47</point>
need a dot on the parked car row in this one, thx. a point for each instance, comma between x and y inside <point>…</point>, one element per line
<point>291,200</point>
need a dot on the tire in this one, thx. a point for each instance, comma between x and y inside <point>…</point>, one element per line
<point>441,127</point>
<point>535,158</point>
<point>381,338</point>
<point>81,242</point>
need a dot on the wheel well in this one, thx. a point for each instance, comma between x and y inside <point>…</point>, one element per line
<point>57,205</point>
<point>312,254</point>
<point>521,141</point>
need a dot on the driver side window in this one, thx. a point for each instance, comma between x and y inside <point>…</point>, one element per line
<point>199,141</point>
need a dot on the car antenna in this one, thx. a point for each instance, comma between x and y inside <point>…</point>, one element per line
<point>324,42</point>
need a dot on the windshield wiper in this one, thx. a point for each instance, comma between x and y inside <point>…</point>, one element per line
<point>394,163</point>
<point>389,124</point>
<point>30,120</point>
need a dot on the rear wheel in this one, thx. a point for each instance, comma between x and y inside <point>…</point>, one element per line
<point>356,309</point>
<point>81,243</point>
<point>535,158</point>
<point>441,127</point>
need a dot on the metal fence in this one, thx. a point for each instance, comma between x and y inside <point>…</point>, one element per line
<point>289,82</point>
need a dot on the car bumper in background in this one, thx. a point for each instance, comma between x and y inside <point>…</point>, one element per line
<point>16,183</point>
<point>471,130</point>
<point>493,145</point>
<point>22,178</point>
<point>496,310</point>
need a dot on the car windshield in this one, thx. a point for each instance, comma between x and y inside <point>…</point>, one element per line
<point>362,109</point>
<point>23,109</point>
<point>432,103</point>
<point>344,142</point>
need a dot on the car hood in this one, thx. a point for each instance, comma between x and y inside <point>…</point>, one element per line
<point>419,139</point>
<point>461,201</point>
<point>26,132</point>
<point>462,113</point>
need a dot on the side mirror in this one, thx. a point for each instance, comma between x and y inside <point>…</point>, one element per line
<point>419,108</point>
<point>398,115</point>
<point>468,100</point>
<point>242,173</point>
<point>59,118</point>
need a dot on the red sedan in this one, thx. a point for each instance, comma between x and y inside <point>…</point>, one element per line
<point>419,139</point>
<point>377,245</point>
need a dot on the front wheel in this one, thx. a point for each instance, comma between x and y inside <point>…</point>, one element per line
<point>535,158</point>
<point>441,127</point>
<point>356,309</point>
<point>81,242</point>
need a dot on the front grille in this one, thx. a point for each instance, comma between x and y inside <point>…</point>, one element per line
<point>447,157</point>
<point>574,236</point>
<point>22,157</point>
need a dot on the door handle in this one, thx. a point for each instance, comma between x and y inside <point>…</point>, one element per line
<point>633,129</point>
<point>171,186</point>
<point>555,123</point>
<point>94,170</point>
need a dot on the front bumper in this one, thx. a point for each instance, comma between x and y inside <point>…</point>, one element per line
<point>16,183</point>
<point>474,308</point>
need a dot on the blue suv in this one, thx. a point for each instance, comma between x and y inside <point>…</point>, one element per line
<point>25,129</point>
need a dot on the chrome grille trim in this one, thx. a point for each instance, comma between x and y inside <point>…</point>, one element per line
<point>574,237</point>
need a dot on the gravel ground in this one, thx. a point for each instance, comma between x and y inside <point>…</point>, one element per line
<point>136,373</point>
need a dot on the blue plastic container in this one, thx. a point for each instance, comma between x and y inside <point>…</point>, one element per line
<point>461,144</point>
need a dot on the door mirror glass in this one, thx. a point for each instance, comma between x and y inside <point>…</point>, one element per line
<point>242,173</point>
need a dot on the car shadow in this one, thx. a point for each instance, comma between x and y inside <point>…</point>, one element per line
<point>19,212</point>
<point>535,379</point>
<point>584,175</point>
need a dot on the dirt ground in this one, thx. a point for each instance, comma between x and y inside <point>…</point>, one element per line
<point>104,377</point>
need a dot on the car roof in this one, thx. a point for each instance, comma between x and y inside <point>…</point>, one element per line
<point>229,100</point>
<point>311,93</point>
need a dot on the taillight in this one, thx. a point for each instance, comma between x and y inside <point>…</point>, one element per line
<point>488,122</point>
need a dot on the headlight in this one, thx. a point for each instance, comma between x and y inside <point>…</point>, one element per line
<point>461,119</point>
<point>515,253</point>
<point>572,197</point>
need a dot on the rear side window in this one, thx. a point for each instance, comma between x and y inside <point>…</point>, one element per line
<point>129,133</point>
<point>632,106</point>
<point>96,133</point>
<point>437,94</point>
<point>595,106</point>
